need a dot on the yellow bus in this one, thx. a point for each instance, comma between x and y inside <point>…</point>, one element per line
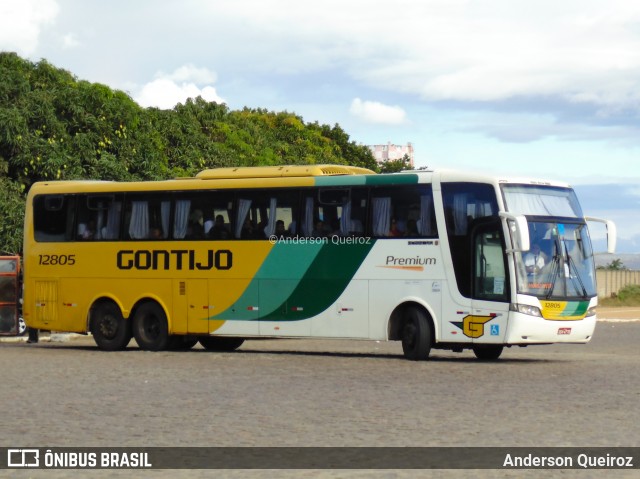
<point>431,259</point>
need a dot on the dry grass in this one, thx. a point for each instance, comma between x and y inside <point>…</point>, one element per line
<point>627,296</point>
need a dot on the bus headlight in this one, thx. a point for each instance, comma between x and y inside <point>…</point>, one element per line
<point>590,312</point>
<point>527,309</point>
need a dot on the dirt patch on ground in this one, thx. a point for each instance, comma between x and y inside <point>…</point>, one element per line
<point>626,313</point>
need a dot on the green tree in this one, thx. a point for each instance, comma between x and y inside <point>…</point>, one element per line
<point>614,265</point>
<point>11,217</point>
<point>56,127</point>
<point>393,166</point>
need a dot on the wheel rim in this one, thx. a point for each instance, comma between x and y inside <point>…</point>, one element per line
<point>108,326</point>
<point>151,326</point>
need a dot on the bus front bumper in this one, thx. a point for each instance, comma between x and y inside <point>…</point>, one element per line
<point>525,329</point>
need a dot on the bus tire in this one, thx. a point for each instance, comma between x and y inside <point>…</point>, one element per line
<point>150,327</point>
<point>181,343</point>
<point>110,330</point>
<point>488,352</point>
<point>213,343</point>
<point>416,334</point>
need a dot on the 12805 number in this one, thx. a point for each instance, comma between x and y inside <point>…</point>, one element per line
<point>57,259</point>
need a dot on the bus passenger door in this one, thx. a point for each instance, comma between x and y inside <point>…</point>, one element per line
<point>490,288</point>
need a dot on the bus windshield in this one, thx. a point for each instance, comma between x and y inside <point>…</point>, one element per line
<point>559,263</point>
<point>535,200</point>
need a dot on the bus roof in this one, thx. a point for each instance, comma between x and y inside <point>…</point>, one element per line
<point>283,176</point>
<point>281,171</point>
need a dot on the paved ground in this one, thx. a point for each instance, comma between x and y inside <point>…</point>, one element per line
<point>632,313</point>
<point>322,393</point>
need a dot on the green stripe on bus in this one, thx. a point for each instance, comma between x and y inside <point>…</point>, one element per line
<point>326,279</point>
<point>400,179</point>
<point>281,273</point>
<point>274,281</point>
<point>371,180</point>
<point>576,308</point>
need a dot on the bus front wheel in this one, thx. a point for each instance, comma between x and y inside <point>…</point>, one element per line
<point>488,352</point>
<point>150,327</point>
<point>110,330</point>
<point>416,334</point>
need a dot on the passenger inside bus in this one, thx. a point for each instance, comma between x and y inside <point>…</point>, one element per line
<point>281,232</point>
<point>412,228</point>
<point>534,260</point>
<point>195,229</point>
<point>395,231</point>
<point>320,230</point>
<point>219,229</point>
<point>155,233</point>
<point>87,231</point>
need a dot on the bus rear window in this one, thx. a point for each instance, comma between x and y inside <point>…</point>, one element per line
<point>53,217</point>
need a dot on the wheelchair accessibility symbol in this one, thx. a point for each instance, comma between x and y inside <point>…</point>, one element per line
<point>495,330</point>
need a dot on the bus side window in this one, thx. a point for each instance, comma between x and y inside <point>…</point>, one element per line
<point>145,214</point>
<point>400,212</point>
<point>195,224</point>
<point>54,217</point>
<point>201,215</point>
<point>257,214</point>
<point>98,217</point>
<point>354,213</point>
<point>220,227</point>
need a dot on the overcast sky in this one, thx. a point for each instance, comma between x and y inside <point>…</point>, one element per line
<point>541,88</point>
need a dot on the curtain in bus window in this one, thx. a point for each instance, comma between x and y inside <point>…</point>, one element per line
<point>460,214</point>
<point>424,223</point>
<point>307,224</point>
<point>345,220</point>
<point>271,224</point>
<point>181,221</point>
<point>165,214</point>
<point>139,225</point>
<point>112,230</point>
<point>243,209</point>
<point>538,203</point>
<point>99,224</point>
<point>381,216</point>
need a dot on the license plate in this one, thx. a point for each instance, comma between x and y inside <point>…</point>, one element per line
<point>563,331</point>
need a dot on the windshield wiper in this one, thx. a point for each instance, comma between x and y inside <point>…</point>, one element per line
<point>555,269</point>
<point>575,280</point>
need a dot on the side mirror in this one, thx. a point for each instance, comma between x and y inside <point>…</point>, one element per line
<point>519,228</point>
<point>612,237</point>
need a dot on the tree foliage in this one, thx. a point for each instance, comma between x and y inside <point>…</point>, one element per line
<point>54,126</point>
<point>394,166</point>
<point>614,265</point>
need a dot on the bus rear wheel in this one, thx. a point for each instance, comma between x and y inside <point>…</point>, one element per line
<point>211,343</point>
<point>150,327</point>
<point>110,330</point>
<point>416,334</point>
<point>487,352</point>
